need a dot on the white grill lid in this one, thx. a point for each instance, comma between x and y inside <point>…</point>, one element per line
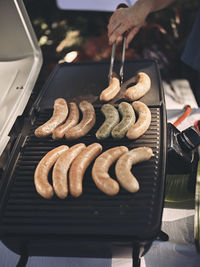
<point>20,63</point>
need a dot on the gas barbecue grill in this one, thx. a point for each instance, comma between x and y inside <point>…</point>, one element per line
<point>94,224</point>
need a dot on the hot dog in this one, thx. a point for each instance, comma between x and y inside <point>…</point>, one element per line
<point>85,125</point>
<point>42,185</point>
<point>128,119</point>
<point>100,170</point>
<point>79,166</point>
<point>142,86</point>
<point>59,115</point>
<point>71,121</point>
<point>111,119</point>
<point>143,122</point>
<point>112,90</point>
<point>123,167</point>
<point>61,167</point>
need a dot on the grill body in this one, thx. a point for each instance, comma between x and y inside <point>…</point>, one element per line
<point>93,224</point>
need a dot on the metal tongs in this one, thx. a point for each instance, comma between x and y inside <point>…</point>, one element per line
<point>112,59</point>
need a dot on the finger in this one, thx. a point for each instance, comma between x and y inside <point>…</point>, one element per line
<point>113,28</point>
<point>114,21</point>
<point>117,33</point>
<point>119,40</point>
<point>131,35</point>
<point>114,36</point>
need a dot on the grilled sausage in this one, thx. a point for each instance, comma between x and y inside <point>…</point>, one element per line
<point>79,166</point>
<point>42,185</point>
<point>61,167</point>
<point>100,170</point>
<point>111,119</point>
<point>128,119</point>
<point>123,167</point>
<point>142,86</point>
<point>143,122</point>
<point>71,121</point>
<point>59,115</point>
<point>85,125</point>
<point>111,91</point>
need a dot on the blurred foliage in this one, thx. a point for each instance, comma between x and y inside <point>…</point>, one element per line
<point>162,38</point>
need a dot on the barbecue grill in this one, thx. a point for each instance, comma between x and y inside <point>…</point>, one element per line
<point>95,224</point>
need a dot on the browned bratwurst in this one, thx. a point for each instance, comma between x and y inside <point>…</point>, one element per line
<point>143,122</point>
<point>59,116</point>
<point>100,170</point>
<point>71,121</point>
<point>42,185</point>
<point>142,86</point>
<point>61,167</point>
<point>79,166</point>
<point>85,125</point>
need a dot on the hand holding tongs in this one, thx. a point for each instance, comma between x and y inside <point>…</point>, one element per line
<point>121,72</point>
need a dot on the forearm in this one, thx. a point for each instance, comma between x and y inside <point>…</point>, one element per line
<point>150,6</point>
<point>132,19</point>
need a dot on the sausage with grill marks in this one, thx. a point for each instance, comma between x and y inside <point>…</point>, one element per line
<point>142,86</point>
<point>101,167</point>
<point>85,125</point>
<point>59,115</point>
<point>79,166</point>
<point>42,185</point>
<point>111,119</point>
<point>128,119</point>
<point>123,167</point>
<point>61,167</point>
<point>143,122</point>
<point>71,121</point>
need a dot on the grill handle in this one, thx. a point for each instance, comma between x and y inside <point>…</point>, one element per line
<point>22,260</point>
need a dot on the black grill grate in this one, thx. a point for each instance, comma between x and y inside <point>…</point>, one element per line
<point>24,211</point>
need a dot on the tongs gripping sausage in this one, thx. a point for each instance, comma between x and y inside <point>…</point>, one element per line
<point>121,72</point>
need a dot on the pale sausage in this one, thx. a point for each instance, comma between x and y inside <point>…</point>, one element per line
<point>59,116</point>
<point>100,169</point>
<point>79,166</point>
<point>71,121</point>
<point>111,91</point>
<point>42,185</point>
<point>85,125</point>
<point>124,164</point>
<point>61,167</point>
<point>143,122</point>
<point>142,86</point>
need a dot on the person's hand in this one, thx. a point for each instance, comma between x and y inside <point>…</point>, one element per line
<point>128,20</point>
